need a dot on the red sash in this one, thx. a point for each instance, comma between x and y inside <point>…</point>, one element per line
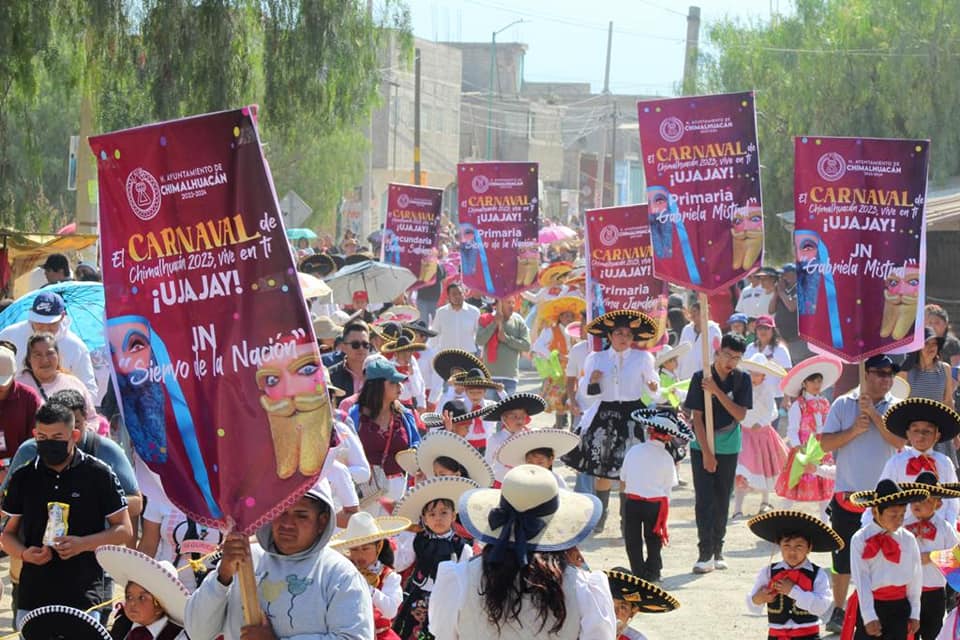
<point>798,632</point>
<point>843,499</point>
<point>898,592</point>
<point>660,526</point>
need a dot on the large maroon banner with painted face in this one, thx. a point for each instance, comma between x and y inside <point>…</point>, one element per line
<point>703,188</point>
<point>216,363</point>
<point>859,231</point>
<point>411,231</point>
<point>499,209</point>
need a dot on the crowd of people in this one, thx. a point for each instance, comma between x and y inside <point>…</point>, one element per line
<point>441,513</point>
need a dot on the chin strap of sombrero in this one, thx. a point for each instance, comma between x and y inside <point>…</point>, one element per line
<point>523,524</point>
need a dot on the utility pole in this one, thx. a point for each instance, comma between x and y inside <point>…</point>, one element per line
<point>598,198</point>
<point>396,121</point>
<point>416,116</point>
<point>690,59</point>
<point>493,78</point>
<point>366,189</point>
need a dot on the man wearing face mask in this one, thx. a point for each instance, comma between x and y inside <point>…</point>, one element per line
<point>61,507</point>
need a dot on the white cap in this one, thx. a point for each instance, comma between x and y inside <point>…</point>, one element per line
<point>8,366</point>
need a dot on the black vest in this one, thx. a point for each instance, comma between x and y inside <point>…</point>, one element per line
<point>785,609</point>
<point>122,626</point>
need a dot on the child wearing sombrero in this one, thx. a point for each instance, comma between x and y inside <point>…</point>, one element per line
<point>923,423</point>
<point>514,414</point>
<point>633,595</point>
<point>447,364</point>
<point>475,384</point>
<point>795,591</point>
<point>885,566</point>
<point>365,542</point>
<point>433,505</point>
<point>555,315</point>
<point>647,476</point>
<point>540,447</point>
<point>401,351</point>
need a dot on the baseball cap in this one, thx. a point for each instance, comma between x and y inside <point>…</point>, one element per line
<point>737,317</point>
<point>56,262</point>
<point>766,321</point>
<point>8,366</point>
<point>47,307</point>
<point>882,361</point>
<point>383,369</point>
<point>788,267</point>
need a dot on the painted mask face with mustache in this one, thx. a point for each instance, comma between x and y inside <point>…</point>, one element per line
<point>900,302</point>
<point>298,408</point>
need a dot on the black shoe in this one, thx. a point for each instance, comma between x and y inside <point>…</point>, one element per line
<point>835,623</point>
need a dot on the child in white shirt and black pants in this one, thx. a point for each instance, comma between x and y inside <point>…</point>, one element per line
<point>648,475</point>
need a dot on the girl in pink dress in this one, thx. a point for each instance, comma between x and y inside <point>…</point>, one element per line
<point>805,420</point>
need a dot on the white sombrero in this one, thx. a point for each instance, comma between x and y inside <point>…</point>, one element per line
<point>827,366</point>
<point>669,353</point>
<point>363,528</point>
<point>407,459</point>
<point>449,444</point>
<point>57,621</point>
<point>529,491</point>
<point>758,363</point>
<point>438,488</point>
<point>159,578</point>
<point>514,451</point>
<point>900,389</point>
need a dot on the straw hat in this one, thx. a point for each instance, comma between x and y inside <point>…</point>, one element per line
<point>887,493</point>
<point>642,325</point>
<point>56,621</point>
<point>531,502</point>
<point>899,416</point>
<point>407,459</point>
<point>513,452</point>
<point>402,313</point>
<point>159,578</point>
<point>665,420</point>
<point>363,528</point>
<point>529,402</point>
<point>475,378</point>
<point>929,483</point>
<point>554,273</point>
<point>900,389</point>
<point>448,360</point>
<point>668,353</point>
<point>441,487</point>
<point>647,596</point>
<point>326,329</point>
<point>549,311</point>
<point>401,345</point>
<point>758,363</point>
<point>770,526</point>
<point>827,366</point>
<point>448,444</point>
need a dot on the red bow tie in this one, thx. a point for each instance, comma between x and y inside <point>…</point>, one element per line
<point>402,368</point>
<point>795,576</point>
<point>923,529</point>
<point>477,407</point>
<point>918,464</point>
<point>882,543</point>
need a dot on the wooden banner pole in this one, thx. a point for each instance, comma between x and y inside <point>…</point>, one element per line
<point>252,614</point>
<point>705,347</point>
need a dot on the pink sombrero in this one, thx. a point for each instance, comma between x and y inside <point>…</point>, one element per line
<point>827,366</point>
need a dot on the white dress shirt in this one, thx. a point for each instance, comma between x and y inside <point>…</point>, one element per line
<point>777,354</point>
<point>755,302</point>
<point>576,359</point>
<point>817,601</point>
<point>156,627</point>
<point>877,572</point>
<point>945,538</point>
<point>626,376</point>
<point>692,361</point>
<point>494,442</point>
<point>413,387</point>
<point>389,596</point>
<point>896,469</point>
<point>648,470</point>
<point>456,329</point>
<point>764,408</point>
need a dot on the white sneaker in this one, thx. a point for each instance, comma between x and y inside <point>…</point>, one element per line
<point>720,564</point>
<point>703,566</point>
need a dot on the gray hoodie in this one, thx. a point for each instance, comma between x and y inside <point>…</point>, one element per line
<point>316,594</point>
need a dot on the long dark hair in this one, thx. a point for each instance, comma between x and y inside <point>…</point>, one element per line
<point>774,339</point>
<point>912,361</point>
<point>505,583</point>
<point>370,398</point>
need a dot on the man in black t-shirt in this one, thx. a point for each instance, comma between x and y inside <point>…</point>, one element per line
<point>75,494</point>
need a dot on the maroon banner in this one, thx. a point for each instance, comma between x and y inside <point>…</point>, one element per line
<point>703,189</point>
<point>412,230</point>
<point>216,364</point>
<point>499,210</point>
<point>620,264</point>
<point>859,242</point>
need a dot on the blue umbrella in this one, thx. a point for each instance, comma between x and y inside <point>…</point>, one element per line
<point>85,307</point>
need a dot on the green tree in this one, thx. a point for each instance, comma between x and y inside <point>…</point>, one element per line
<point>872,68</point>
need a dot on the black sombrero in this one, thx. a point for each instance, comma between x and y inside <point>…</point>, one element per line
<point>647,596</point>
<point>319,264</point>
<point>928,482</point>
<point>356,258</point>
<point>402,344</point>
<point>641,324</point>
<point>459,413</point>
<point>888,493</point>
<point>56,622</point>
<point>899,416</point>
<point>419,326</point>
<point>391,330</point>
<point>448,360</point>
<point>529,402</point>
<point>477,379</point>
<point>773,525</point>
<point>665,420</point>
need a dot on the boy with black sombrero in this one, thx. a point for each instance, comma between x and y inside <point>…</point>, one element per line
<point>885,566</point>
<point>513,413</point>
<point>446,364</point>
<point>633,595</point>
<point>401,351</point>
<point>933,533</point>
<point>475,384</point>
<point>796,592</point>
<point>923,423</point>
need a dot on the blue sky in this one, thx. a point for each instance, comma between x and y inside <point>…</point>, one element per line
<point>567,38</point>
